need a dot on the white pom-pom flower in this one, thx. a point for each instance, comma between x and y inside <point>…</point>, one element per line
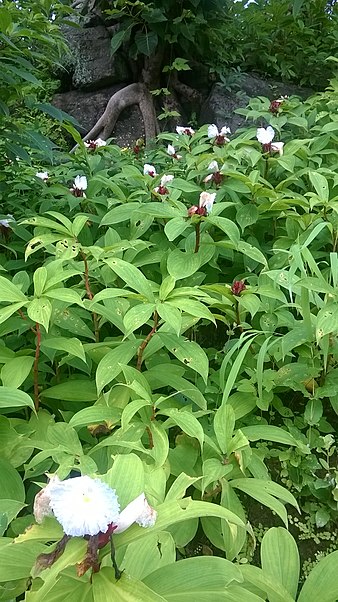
<point>80,183</point>
<point>172,152</point>
<point>94,144</point>
<point>85,506</point>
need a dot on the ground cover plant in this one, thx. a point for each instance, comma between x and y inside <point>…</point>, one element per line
<point>168,322</point>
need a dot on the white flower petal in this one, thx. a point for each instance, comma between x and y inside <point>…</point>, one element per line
<point>43,175</point>
<point>83,506</point>
<point>207,200</point>
<point>213,166</point>
<point>208,178</point>
<point>225,130</point>
<point>265,135</point>
<point>149,170</point>
<point>171,150</point>
<point>185,130</point>
<point>137,511</point>
<point>165,179</point>
<point>278,147</point>
<point>80,183</point>
<point>100,142</point>
<point>212,131</point>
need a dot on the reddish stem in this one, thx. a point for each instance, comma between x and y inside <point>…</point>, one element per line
<point>198,236</point>
<point>36,366</point>
<point>90,296</point>
<point>145,343</point>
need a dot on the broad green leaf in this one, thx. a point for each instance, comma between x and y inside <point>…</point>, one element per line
<point>17,559</point>
<point>117,40</point>
<point>188,352</point>
<point>320,184</point>
<point>187,422</point>
<point>7,312</point>
<point>72,390</point>
<point>158,549</point>
<point>182,264</point>
<point>137,316</point>
<point>39,278</point>
<point>10,292</point>
<point>127,477</point>
<point>175,227</point>
<point>269,433</point>
<point>313,411</point>
<point>110,365</point>
<point>70,345</point>
<point>266,493</point>
<point>322,583</point>
<point>273,589</point>
<point>95,414</point>
<point>132,276</point>
<point>280,559</point>
<point>12,487</point>
<point>204,578</point>
<point>14,398</point>
<point>224,424</point>
<point>40,311</point>
<point>146,41</point>
<point>252,252</point>
<point>227,226</point>
<point>15,372</point>
<point>247,215</point>
<point>171,315</point>
<point>126,589</point>
<point>64,294</point>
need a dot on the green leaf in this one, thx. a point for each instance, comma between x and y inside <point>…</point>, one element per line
<point>127,589</point>
<point>146,42</point>
<point>204,578</point>
<point>266,493</point>
<point>313,411</point>
<point>7,312</point>
<point>320,184</point>
<point>72,346</point>
<point>12,487</point>
<point>95,414</point>
<point>187,422</point>
<point>188,352</point>
<point>273,589</point>
<point>127,477</point>
<point>175,227</point>
<point>227,226</point>
<point>247,215</point>
<point>137,316</point>
<point>280,559</point>
<point>117,40</point>
<point>182,264</point>
<point>110,365</point>
<point>15,372</point>
<point>224,424</point>
<point>10,292</point>
<point>14,398</point>
<point>269,433</point>
<point>40,311</point>
<point>184,186</point>
<point>322,583</point>
<point>17,559</point>
<point>132,276</point>
<point>171,315</point>
<point>39,279</point>
<point>252,252</point>
<point>72,390</point>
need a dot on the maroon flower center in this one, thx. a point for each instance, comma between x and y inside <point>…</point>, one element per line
<point>237,287</point>
<point>162,190</point>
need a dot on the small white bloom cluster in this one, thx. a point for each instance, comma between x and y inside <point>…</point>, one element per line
<point>185,130</point>
<point>86,506</point>
<point>7,221</point>
<point>172,152</point>
<point>219,135</point>
<point>94,144</point>
<point>149,170</point>
<point>43,175</point>
<point>79,186</point>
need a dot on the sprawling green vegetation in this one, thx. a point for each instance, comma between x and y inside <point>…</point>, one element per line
<point>168,323</point>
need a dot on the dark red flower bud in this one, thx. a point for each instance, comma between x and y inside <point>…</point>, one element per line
<point>274,106</point>
<point>217,177</point>
<point>195,210</point>
<point>136,149</point>
<point>237,287</point>
<point>162,190</point>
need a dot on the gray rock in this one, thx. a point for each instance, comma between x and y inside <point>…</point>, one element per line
<point>220,106</point>
<point>90,61</point>
<point>87,108</point>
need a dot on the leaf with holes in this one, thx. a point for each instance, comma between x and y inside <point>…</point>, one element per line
<point>188,352</point>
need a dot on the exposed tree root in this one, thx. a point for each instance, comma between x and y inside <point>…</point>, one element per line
<point>134,94</point>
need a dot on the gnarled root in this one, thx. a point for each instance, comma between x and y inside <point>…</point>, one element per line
<point>136,93</point>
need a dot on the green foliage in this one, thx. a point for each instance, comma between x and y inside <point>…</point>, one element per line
<point>282,39</point>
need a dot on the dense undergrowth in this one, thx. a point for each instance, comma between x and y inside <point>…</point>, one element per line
<point>168,323</point>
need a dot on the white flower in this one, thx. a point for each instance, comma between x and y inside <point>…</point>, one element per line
<point>277,147</point>
<point>214,133</point>
<point>43,175</point>
<point>207,200</point>
<point>213,166</point>
<point>265,135</point>
<point>165,179</point>
<point>149,170</point>
<point>83,506</point>
<point>93,144</point>
<point>80,183</point>
<point>6,222</point>
<point>172,152</point>
<point>86,506</point>
<point>138,511</point>
<point>185,130</point>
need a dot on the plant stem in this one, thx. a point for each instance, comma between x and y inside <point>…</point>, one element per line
<point>145,342</point>
<point>90,296</point>
<point>36,366</point>
<point>198,236</point>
